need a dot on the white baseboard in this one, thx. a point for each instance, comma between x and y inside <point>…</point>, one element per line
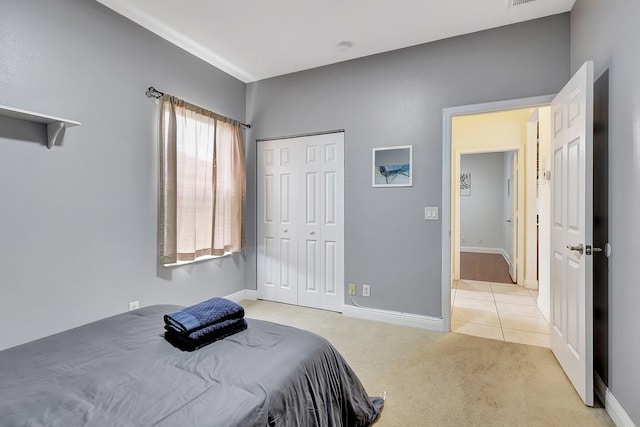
<point>599,388</point>
<point>245,294</point>
<point>615,410</point>
<point>395,317</point>
<point>482,250</point>
<point>530,283</point>
<point>506,256</point>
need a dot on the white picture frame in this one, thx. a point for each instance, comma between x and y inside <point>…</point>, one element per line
<point>392,166</point>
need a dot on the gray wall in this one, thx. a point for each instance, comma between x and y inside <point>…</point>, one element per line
<point>608,33</point>
<point>78,222</point>
<point>397,98</point>
<point>481,213</point>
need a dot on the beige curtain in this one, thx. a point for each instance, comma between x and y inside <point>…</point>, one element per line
<point>202,183</point>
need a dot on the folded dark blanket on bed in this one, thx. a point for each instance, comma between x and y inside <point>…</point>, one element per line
<point>207,330</point>
<point>214,310</point>
<point>199,339</point>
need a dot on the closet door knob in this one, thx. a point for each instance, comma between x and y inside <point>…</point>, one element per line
<point>312,232</point>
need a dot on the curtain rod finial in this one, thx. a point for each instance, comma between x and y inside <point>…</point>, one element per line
<point>152,92</point>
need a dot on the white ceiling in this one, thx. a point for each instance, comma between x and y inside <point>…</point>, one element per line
<point>257,39</point>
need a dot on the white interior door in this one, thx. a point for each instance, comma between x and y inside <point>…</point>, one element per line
<point>332,217</point>
<point>301,221</point>
<point>310,210</point>
<point>277,223</point>
<point>321,213</point>
<point>513,216</point>
<point>572,229</point>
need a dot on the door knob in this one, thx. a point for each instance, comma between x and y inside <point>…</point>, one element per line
<point>285,230</point>
<point>312,232</point>
<point>579,248</point>
<point>508,220</point>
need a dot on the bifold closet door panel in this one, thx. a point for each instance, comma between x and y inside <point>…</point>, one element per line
<point>277,222</point>
<point>266,222</point>
<point>309,211</point>
<point>321,253</point>
<point>332,225</point>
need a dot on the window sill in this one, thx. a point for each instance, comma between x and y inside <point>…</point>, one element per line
<point>199,259</point>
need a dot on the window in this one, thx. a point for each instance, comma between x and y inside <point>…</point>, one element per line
<point>202,183</point>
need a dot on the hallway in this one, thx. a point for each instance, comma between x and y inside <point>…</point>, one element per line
<point>484,267</point>
<point>498,311</point>
<point>486,303</point>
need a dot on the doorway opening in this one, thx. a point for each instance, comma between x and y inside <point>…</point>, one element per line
<point>496,145</point>
<point>571,174</point>
<point>488,220</point>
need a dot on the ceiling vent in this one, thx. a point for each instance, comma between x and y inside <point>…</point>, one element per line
<point>514,3</point>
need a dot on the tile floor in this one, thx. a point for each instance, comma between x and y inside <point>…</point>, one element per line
<point>498,311</point>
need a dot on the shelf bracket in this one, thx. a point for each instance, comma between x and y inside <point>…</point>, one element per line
<point>55,125</point>
<point>54,133</point>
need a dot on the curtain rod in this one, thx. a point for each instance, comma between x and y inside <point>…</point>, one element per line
<point>152,92</point>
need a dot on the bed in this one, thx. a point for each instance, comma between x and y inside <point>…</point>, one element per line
<point>120,371</point>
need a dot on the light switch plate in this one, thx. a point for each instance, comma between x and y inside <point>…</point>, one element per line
<point>431,213</point>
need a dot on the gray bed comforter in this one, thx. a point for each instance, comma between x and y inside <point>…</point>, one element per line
<point>120,371</point>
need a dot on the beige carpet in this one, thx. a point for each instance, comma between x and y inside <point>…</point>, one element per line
<point>445,379</point>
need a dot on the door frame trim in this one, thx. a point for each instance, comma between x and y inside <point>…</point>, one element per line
<point>302,135</point>
<point>447,116</point>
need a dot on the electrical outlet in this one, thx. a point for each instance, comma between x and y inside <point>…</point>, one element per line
<point>352,289</point>
<point>133,305</point>
<point>366,291</point>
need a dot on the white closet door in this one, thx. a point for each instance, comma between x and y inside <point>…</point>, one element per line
<point>310,214</point>
<point>321,213</point>
<point>301,221</point>
<point>277,222</point>
<point>332,217</point>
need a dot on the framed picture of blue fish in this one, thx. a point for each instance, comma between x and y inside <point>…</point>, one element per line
<point>393,166</point>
